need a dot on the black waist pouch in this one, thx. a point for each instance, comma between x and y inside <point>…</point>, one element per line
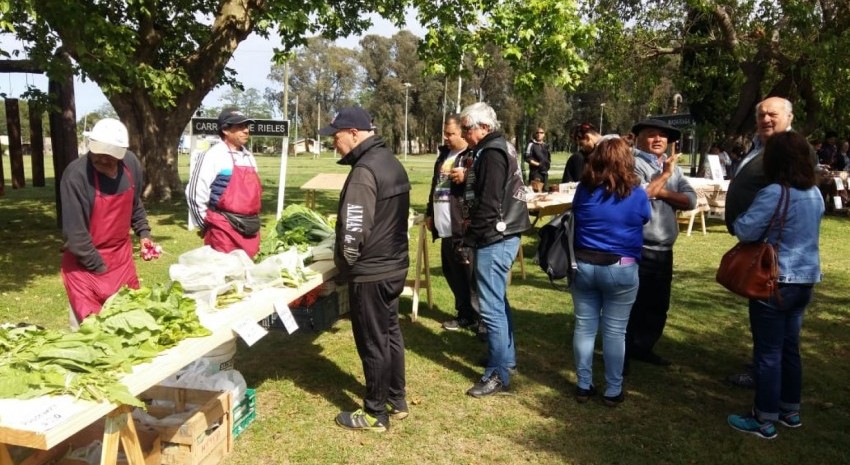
<point>247,225</point>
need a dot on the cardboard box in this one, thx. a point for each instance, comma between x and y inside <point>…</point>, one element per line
<point>205,438</point>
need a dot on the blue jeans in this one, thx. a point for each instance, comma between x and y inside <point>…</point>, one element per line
<point>602,293</point>
<point>492,265</point>
<point>776,350</point>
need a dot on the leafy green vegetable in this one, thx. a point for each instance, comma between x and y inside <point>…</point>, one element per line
<point>299,227</point>
<point>133,327</point>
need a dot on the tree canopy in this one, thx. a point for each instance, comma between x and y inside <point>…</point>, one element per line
<point>156,60</point>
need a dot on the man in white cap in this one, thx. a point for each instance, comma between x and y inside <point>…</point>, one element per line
<point>101,202</point>
<point>224,191</point>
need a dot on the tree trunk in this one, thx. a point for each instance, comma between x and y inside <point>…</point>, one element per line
<point>154,136</point>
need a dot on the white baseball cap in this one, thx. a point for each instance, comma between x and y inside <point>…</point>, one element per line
<point>109,137</point>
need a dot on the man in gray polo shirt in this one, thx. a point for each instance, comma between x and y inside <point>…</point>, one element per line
<point>668,192</point>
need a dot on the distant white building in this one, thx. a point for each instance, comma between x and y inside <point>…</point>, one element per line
<point>306,146</point>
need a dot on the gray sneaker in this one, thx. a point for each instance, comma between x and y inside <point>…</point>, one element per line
<point>397,413</point>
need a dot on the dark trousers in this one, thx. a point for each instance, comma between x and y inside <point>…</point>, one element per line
<point>777,367</point>
<point>649,312</point>
<point>377,334</point>
<point>461,278</point>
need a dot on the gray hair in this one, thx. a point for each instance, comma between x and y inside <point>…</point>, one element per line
<point>788,107</point>
<point>480,113</point>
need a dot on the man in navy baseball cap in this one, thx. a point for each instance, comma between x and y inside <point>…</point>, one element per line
<point>349,118</point>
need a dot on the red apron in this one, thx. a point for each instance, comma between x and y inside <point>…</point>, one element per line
<point>109,228</point>
<point>242,195</point>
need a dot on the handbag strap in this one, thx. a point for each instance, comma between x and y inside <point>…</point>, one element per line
<point>784,198</point>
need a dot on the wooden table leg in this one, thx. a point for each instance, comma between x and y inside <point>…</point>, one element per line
<point>120,427</point>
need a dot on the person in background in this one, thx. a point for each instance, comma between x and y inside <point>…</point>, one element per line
<point>585,136</point>
<point>224,191</point>
<point>498,214</point>
<point>842,160</point>
<point>101,203</point>
<point>610,208</point>
<point>776,323</point>
<point>723,157</point>
<point>828,151</point>
<point>736,155</point>
<point>773,115</point>
<point>371,255</point>
<point>539,159</point>
<point>668,191</point>
<point>444,218</point>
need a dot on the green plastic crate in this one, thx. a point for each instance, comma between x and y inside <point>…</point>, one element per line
<point>244,412</point>
<point>242,425</point>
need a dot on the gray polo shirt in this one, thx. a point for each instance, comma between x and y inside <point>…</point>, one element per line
<point>662,229</point>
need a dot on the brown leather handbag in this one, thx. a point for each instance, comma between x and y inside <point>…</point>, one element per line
<point>751,269</point>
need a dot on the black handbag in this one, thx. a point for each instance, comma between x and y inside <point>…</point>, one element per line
<point>555,253</point>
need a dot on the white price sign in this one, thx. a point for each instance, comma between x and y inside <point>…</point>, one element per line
<point>249,331</point>
<point>285,315</point>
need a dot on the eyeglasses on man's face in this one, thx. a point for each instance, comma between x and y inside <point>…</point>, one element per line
<point>467,128</point>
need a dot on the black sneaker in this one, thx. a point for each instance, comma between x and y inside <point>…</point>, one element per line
<point>650,357</point>
<point>613,401</point>
<point>458,324</point>
<point>584,395</point>
<point>488,386</point>
<point>361,421</point>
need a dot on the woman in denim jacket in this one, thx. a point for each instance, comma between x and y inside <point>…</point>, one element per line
<point>775,324</point>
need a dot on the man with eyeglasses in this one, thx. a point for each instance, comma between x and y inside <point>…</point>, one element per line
<point>371,254</point>
<point>539,159</point>
<point>586,137</point>
<point>497,215</point>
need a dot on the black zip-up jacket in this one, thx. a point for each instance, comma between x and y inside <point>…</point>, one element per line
<point>455,191</point>
<point>499,193</point>
<point>371,226</point>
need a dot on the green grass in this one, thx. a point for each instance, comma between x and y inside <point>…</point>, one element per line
<point>671,416</point>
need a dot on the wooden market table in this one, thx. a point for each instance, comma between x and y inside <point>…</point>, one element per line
<point>55,419</point>
<point>322,182</point>
<point>539,206</point>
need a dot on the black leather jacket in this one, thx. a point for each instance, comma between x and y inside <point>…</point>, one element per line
<point>499,194</point>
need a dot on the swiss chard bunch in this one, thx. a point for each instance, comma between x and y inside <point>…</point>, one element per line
<point>133,327</point>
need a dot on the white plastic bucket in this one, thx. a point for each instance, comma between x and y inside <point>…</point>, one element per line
<point>221,358</point>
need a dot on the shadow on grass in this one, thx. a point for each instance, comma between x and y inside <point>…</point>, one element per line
<point>32,241</point>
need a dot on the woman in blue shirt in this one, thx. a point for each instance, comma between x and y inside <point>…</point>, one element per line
<point>775,324</point>
<point>610,210</point>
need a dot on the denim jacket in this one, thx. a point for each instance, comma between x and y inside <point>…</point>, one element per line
<point>799,258</point>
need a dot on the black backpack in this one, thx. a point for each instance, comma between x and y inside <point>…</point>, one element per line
<point>555,250</point>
